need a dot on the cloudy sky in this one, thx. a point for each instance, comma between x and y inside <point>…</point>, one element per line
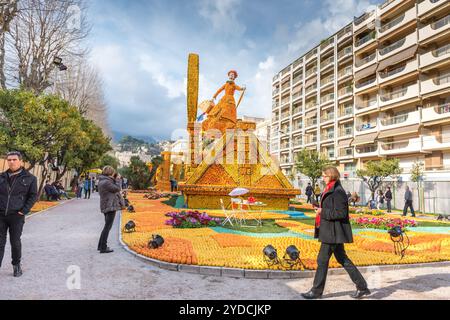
<point>141,49</point>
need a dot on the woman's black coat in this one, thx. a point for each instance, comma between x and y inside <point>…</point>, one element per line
<point>335,227</point>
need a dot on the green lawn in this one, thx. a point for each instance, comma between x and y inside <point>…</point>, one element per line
<point>268,226</point>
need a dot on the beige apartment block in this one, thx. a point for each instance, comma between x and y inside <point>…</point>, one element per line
<point>378,88</point>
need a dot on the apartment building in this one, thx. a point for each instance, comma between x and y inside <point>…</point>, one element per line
<point>378,88</point>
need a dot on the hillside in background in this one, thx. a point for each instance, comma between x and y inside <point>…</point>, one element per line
<point>128,143</point>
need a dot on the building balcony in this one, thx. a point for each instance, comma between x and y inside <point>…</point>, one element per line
<point>297,110</point>
<point>327,137</point>
<point>345,34</point>
<point>297,126</point>
<point>285,131</point>
<point>400,121</point>
<point>346,111</point>
<point>436,113</point>
<point>345,92</point>
<point>327,118</point>
<point>311,90</point>
<point>326,82</point>
<point>296,96</point>
<point>285,145</point>
<point>437,83</point>
<point>399,95</point>
<point>310,140</point>
<point>346,132</point>
<point>311,106</point>
<point>311,122</point>
<point>434,57</point>
<point>310,72</point>
<point>397,46</point>
<point>346,153</point>
<point>285,87</point>
<point>327,45</point>
<point>363,21</point>
<point>311,55</point>
<point>326,63</point>
<point>285,115</point>
<point>344,53</point>
<point>366,84</point>
<point>285,102</point>
<point>402,70</point>
<point>366,128</point>
<point>365,62</point>
<point>434,143</point>
<point>275,92</point>
<point>413,145</point>
<point>427,6</point>
<point>297,79</point>
<point>344,73</point>
<point>366,151</point>
<point>433,29</point>
<point>285,71</point>
<point>366,106</point>
<point>366,40</point>
<point>329,98</point>
<point>399,21</point>
<point>297,141</point>
<point>297,63</point>
<point>276,78</point>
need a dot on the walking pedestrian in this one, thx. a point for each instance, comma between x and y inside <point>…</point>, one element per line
<point>80,188</point>
<point>309,193</point>
<point>111,201</point>
<point>87,187</point>
<point>18,194</point>
<point>408,203</point>
<point>388,197</point>
<point>317,192</point>
<point>380,200</point>
<point>333,229</point>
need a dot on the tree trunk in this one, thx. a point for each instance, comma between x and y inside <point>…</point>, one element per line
<point>43,179</point>
<point>2,61</point>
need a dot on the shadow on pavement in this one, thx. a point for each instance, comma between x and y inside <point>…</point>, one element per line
<point>419,284</point>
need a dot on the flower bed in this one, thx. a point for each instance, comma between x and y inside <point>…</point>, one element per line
<point>43,205</point>
<point>222,247</point>
<point>367,211</point>
<point>191,219</point>
<point>381,223</point>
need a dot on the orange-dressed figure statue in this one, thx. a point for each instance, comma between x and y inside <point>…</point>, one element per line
<point>223,116</point>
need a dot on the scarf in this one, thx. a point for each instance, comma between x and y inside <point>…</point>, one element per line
<point>328,188</point>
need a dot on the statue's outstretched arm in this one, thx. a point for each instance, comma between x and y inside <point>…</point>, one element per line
<point>219,91</point>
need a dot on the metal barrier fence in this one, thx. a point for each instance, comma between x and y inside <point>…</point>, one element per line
<point>434,195</point>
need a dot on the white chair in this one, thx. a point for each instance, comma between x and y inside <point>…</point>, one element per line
<point>229,215</point>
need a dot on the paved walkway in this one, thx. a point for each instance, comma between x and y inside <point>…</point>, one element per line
<point>67,236</point>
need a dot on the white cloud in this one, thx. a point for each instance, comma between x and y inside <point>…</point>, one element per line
<point>268,64</point>
<point>222,14</point>
<point>175,87</point>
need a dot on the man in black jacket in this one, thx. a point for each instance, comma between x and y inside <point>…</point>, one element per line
<point>18,194</point>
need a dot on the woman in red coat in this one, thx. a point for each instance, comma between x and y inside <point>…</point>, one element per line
<point>333,229</point>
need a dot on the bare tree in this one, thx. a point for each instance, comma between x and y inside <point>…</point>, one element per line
<point>81,86</point>
<point>43,30</point>
<point>8,11</point>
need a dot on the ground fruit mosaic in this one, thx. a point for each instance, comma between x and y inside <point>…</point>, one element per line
<point>218,246</point>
